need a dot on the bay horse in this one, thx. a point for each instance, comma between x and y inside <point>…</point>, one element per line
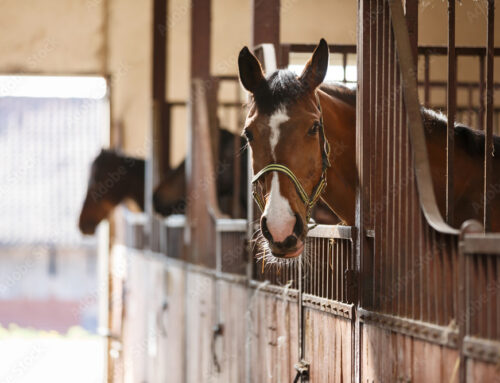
<point>302,133</point>
<point>114,178</point>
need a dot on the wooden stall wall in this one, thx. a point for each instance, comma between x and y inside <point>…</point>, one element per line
<point>232,347</point>
<point>173,345</point>
<point>199,324</point>
<point>273,336</point>
<point>328,346</point>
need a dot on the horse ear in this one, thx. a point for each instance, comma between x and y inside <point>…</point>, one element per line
<point>315,70</point>
<point>251,73</point>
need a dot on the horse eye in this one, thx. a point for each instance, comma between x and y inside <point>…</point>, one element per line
<point>248,134</point>
<point>313,129</point>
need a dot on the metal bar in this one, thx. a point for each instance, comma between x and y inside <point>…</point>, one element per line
<point>482,244</point>
<point>416,129</point>
<point>344,65</point>
<point>460,51</point>
<point>266,23</point>
<point>427,93</point>
<point>378,147</point>
<point>470,105</point>
<point>309,48</point>
<point>432,333</point>
<point>488,142</point>
<point>332,231</point>
<point>459,84</point>
<point>200,38</point>
<point>451,103</point>
<point>481,93</point>
<point>385,270</point>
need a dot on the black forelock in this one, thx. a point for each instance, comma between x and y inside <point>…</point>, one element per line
<point>282,87</point>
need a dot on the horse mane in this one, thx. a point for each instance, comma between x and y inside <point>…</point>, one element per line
<point>471,140</point>
<point>340,91</point>
<point>107,154</point>
<point>283,87</point>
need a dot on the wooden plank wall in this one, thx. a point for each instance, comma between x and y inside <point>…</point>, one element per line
<point>231,347</point>
<point>273,337</point>
<point>328,346</point>
<point>135,338</point>
<point>482,372</point>
<point>174,345</point>
<point>156,298</point>
<point>387,356</point>
<point>199,324</point>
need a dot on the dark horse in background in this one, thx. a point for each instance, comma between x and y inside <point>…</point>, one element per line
<point>113,179</point>
<point>286,117</point>
<point>170,195</point>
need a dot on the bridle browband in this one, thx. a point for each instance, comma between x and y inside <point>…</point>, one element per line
<point>309,201</point>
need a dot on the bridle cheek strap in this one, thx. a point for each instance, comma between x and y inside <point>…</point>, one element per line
<point>309,201</point>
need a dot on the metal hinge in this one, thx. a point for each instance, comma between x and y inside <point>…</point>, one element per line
<point>351,285</point>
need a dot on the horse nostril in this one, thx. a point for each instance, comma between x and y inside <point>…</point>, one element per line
<point>290,241</point>
<point>299,226</point>
<point>265,231</point>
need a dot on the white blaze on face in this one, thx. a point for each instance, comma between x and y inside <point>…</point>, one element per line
<point>279,214</point>
<point>275,121</point>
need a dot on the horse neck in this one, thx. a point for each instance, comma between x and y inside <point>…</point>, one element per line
<point>339,119</point>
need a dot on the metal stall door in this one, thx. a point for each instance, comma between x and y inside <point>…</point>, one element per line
<point>327,294</point>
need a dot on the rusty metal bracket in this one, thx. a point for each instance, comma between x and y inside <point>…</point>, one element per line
<point>218,330</point>
<point>302,369</point>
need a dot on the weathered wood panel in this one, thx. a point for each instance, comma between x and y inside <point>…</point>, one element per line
<point>482,372</point>
<point>231,346</point>
<point>273,337</point>
<point>175,319</point>
<point>200,310</point>
<point>157,351</point>
<point>135,337</point>
<point>387,356</point>
<point>328,346</point>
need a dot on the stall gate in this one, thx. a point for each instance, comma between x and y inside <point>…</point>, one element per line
<point>400,297</point>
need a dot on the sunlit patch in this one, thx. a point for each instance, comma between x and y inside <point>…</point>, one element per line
<point>89,87</point>
<point>335,73</point>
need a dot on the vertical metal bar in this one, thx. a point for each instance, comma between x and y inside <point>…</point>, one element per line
<point>300,311</point>
<point>481,93</point>
<point>470,90</point>
<point>340,243</point>
<point>200,38</point>
<point>385,271</point>
<point>427,90</point>
<point>379,165</point>
<point>266,23</point>
<point>451,102</point>
<point>159,73</point>
<point>324,267</point>
<point>488,142</point>
<point>344,65</point>
<point>491,307</point>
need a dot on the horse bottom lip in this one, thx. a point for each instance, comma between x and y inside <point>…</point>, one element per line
<point>294,254</point>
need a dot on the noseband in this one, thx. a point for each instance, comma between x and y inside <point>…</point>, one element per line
<point>309,201</point>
